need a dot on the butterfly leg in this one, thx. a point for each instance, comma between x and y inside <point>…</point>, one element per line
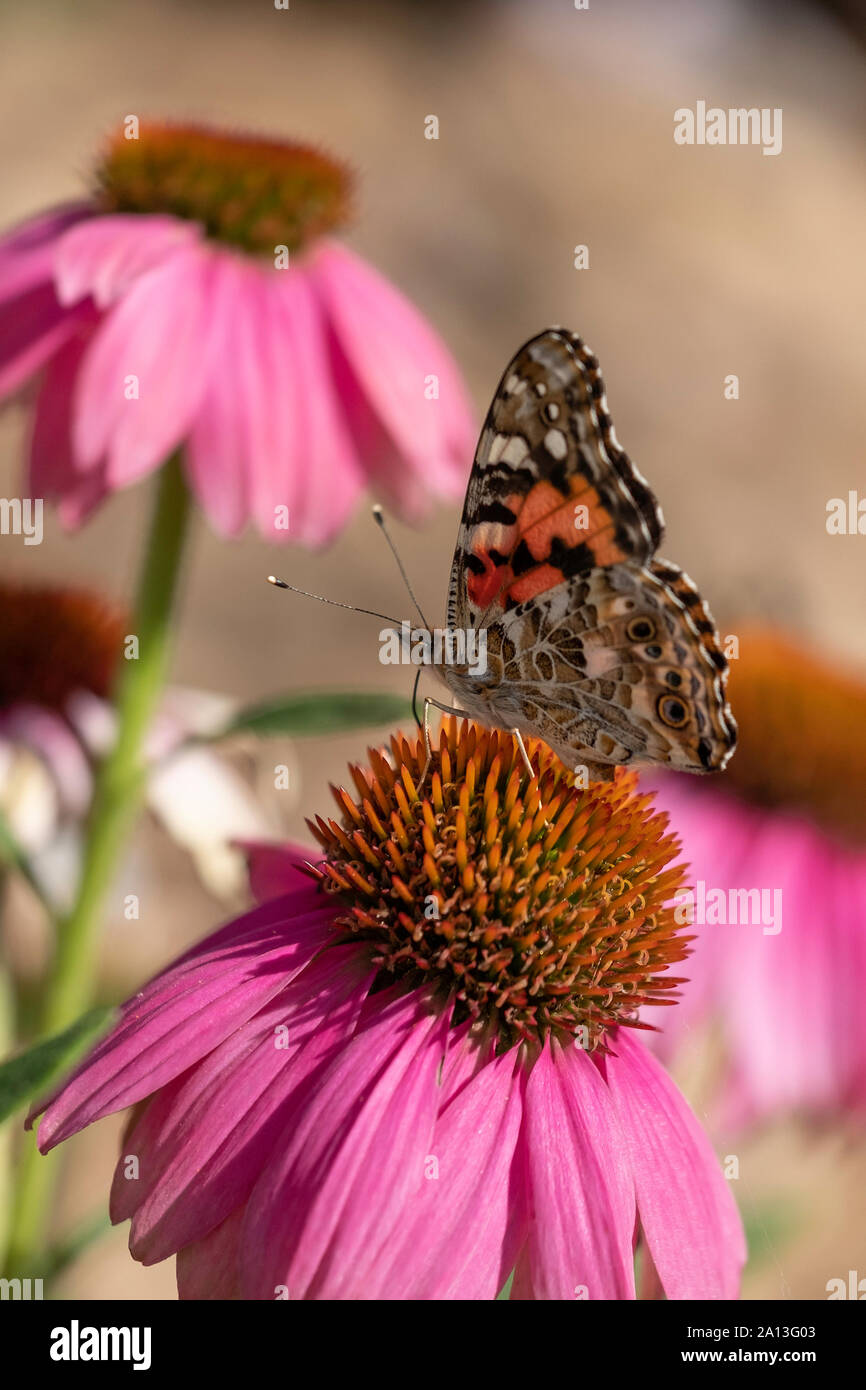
<point>415,698</point>
<point>523,753</point>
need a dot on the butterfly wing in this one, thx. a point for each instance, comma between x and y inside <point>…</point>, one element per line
<point>604,652</point>
<point>621,664</point>
<point>551,492</point>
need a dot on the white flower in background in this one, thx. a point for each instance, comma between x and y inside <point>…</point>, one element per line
<point>57,653</point>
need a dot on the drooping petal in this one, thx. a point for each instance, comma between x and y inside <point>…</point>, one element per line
<point>321,463</point>
<point>158,333</point>
<point>184,1012</point>
<point>52,470</point>
<point>581,1192</point>
<point>394,353</point>
<point>105,255</point>
<point>758,980</point>
<point>32,328</point>
<point>782,989</point>
<point>270,439</point>
<point>217,455</point>
<point>335,1190</point>
<point>27,253</point>
<point>208,1268</point>
<point>685,1206</point>
<point>453,1241</point>
<point>202,1143</point>
<point>275,869</point>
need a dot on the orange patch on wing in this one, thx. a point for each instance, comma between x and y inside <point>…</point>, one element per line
<point>547,515</point>
<point>535,582</point>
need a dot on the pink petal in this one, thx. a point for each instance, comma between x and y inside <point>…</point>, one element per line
<point>686,1209</point>
<point>759,986</point>
<point>158,332</point>
<point>217,456</point>
<point>32,328</point>
<point>330,1201</point>
<point>392,350</point>
<point>187,1010</point>
<point>204,1140</point>
<point>582,1197</point>
<point>27,253</point>
<point>208,1269</point>
<point>52,469</point>
<point>107,254</point>
<point>322,471</point>
<point>275,869</point>
<point>453,1242</point>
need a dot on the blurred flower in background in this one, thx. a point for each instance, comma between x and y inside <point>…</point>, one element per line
<point>197,299</point>
<point>781,999</point>
<point>459,989</point>
<point>59,651</point>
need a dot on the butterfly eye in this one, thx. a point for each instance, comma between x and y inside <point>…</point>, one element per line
<point>640,630</point>
<point>672,711</point>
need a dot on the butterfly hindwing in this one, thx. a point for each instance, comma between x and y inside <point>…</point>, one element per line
<point>617,665</point>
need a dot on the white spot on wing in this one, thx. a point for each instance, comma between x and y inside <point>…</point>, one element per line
<point>556,444</point>
<point>515,450</point>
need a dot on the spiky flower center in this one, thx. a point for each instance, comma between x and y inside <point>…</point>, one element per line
<point>254,194</point>
<point>802,733</point>
<point>536,906</point>
<point>55,641</point>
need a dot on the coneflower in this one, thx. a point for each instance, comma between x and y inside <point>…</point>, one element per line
<point>783,828</point>
<point>198,301</point>
<point>60,650</point>
<point>418,1074</point>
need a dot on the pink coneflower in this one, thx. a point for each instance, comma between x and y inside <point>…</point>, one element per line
<point>419,1073</point>
<point>780,841</point>
<point>55,645</point>
<point>197,300</point>
<point>59,652</point>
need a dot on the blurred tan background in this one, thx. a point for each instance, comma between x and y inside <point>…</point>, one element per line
<point>556,129</point>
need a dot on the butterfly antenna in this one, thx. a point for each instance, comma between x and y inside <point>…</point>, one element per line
<point>281,584</point>
<point>379,518</point>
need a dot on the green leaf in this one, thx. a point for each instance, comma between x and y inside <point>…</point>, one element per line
<point>34,1071</point>
<point>326,712</point>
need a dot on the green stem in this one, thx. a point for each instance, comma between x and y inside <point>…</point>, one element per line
<point>117,797</point>
<point>7,1037</point>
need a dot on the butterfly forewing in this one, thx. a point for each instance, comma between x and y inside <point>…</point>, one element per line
<point>551,493</point>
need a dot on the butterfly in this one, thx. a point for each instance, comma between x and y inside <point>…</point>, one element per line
<point>593,644</point>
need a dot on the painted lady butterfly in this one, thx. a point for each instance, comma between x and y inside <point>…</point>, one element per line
<point>595,646</point>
